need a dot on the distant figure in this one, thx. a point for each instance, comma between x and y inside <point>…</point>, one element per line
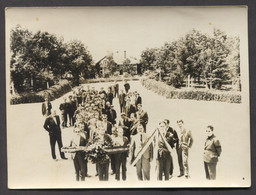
<point>186,141</point>
<point>116,89</point>
<point>46,107</point>
<point>212,150</point>
<point>142,116</point>
<point>52,125</point>
<point>122,100</point>
<point>64,107</point>
<point>126,86</point>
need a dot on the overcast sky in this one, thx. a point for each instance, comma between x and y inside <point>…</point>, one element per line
<point>126,28</point>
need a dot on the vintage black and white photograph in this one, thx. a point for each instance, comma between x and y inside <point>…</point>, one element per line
<point>127,97</point>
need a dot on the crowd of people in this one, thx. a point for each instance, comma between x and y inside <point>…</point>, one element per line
<point>93,117</point>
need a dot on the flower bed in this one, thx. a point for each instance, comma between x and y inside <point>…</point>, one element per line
<point>52,93</point>
<point>193,94</point>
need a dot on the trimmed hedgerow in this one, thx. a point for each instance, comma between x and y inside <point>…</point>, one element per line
<point>193,94</point>
<point>52,93</point>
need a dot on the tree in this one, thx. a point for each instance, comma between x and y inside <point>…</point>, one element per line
<point>79,61</point>
<point>148,59</point>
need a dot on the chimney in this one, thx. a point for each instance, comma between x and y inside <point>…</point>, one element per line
<point>124,54</point>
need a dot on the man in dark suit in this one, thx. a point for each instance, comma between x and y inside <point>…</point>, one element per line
<point>46,107</point>
<point>64,107</point>
<point>212,151</point>
<point>110,96</point>
<point>142,116</point>
<point>52,125</point>
<point>137,143</point>
<point>122,101</point>
<point>112,113</point>
<point>173,142</point>
<point>138,99</point>
<point>125,123</point>
<point>126,86</point>
<point>164,157</point>
<point>106,124</point>
<point>116,89</point>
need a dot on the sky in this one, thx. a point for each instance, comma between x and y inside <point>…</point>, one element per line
<point>130,29</point>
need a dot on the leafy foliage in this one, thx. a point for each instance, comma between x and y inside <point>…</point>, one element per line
<point>40,58</point>
<point>213,59</point>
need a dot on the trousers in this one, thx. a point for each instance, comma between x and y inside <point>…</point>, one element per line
<point>103,168</point>
<point>180,161</point>
<point>53,139</point>
<point>80,165</point>
<point>164,164</point>
<point>143,165</point>
<point>120,161</point>
<point>210,170</point>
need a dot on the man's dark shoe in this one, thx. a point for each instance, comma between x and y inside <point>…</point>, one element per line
<point>64,158</point>
<point>180,175</point>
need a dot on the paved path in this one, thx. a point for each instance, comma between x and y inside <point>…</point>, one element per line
<point>30,164</point>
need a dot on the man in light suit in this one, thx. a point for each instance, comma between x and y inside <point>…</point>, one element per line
<point>52,125</point>
<point>137,143</point>
<point>185,143</point>
<point>212,150</point>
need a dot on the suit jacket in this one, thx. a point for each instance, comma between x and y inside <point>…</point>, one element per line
<point>122,98</point>
<point>143,117</point>
<point>175,139</point>
<point>137,144</point>
<point>127,86</point>
<point>108,130</point>
<point>64,107</point>
<point>112,117</point>
<point>46,109</point>
<point>51,126</point>
<point>212,149</point>
<point>186,139</point>
<point>162,148</point>
<point>138,100</point>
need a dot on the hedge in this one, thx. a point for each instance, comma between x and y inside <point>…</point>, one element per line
<point>104,80</point>
<point>193,94</point>
<point>52,93</point>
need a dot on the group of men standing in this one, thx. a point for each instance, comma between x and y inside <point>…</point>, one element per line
<point>93,116</point>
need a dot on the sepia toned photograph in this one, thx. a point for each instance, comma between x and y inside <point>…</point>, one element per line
<point>127,97</point>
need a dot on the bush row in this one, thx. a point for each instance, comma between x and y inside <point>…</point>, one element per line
<point>52,93</point>
<point>103,80</point>
<point>193,94</point>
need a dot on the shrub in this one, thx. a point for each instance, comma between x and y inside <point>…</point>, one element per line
<point>53,92</point>
<point>193,94</point>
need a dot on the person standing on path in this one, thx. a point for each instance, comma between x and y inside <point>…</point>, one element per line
<point>173,142</point>
<point>137,143</point>
<point>80,138</point>
<point>186,141</point>
<point>46,107</point>
<point>52,125</point>
<point>212,150</point>
<point>142,116</point>
<point>126,86</point>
